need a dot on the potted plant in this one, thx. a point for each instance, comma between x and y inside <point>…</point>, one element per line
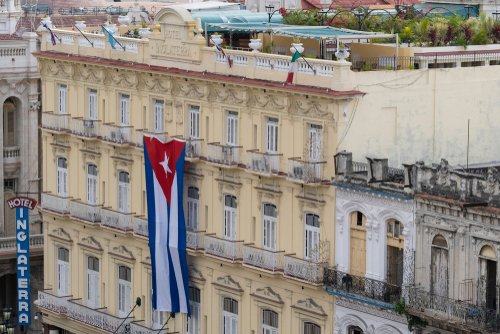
<point>255,44</point>
<point>123,19</point>
<point>144,31</point>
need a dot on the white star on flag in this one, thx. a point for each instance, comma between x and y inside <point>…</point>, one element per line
<point>164,164</point>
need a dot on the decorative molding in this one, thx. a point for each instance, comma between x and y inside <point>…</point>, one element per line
<point>268,295</point>
<point>310,306</point>
<point>310,107</point>
<point>155,84</point>
<point>123,252</point>
<point>92,243</point>
<point>91,74</point>
<point>227,95</point>
<point>268,101</point>
<point>364,308</point>
<point>438,223</point>
<point>61,234</point>
<point>196,275</point>
<point>229,283</point>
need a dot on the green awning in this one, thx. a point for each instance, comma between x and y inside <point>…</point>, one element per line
<point>210,19</point>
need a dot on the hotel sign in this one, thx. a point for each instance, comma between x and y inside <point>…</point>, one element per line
<point>22,204</point>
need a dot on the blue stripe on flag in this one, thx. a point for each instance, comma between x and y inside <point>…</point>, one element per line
<point>151,219</point>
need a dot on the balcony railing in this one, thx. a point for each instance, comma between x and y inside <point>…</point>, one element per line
<point>85,127</point>
<point>117,134</point>
<point>57,122</point>
<point>137,327</point>
<point>115,219</point>
<point>263,258</point>
<point>362,286</point>
<point>307,270</point>
<point>305,171</point>
<point>140,225</point>
<point>11,154</point>
<point>194,239</point>
<point>52,303</point>
<point>223,154</point>
<point>8,244</point>
<point>84,211</point>
<point>228,249</point>
<point>193,148</point>
<point>97,318</point>
<point>262,162</point>
<point>55,203</point>
<point>444,309</point>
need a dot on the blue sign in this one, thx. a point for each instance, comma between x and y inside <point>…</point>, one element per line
<point>22,204</point>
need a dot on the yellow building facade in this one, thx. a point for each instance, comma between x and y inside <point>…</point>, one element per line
<point>258,199</point>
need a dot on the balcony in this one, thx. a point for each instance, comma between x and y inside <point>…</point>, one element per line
<point>305,171</point>
<point>140,226</point>
<point>11,154</point>
<point>87,212</point>
<point>306,270</point>
<point>139,327</point>
<point>55,203</point>
<point>194,239</point>
<point>119,134</point>
<point>53,303</point>
<point>458,314</point>
<point>8,245</point>
<point>227,249</point>
<point>86,128</point>
<point>117,220</point>
<point>56,122</point>
<point>361,289</point>
<point>193,148</point>
<point>263,163</point>
<point>263,258</point>
<point>225,155</point>
<point>97,318</point>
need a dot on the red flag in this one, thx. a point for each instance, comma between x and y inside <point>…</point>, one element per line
<point>229,60</point>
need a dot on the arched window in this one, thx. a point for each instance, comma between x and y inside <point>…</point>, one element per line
<point>395,247</point>
<point>92,184</point>
<point>193,204</point>
<point>230,316</point>
<point>62,177</point>
<point>354,330</point>
<point>269,322</point>
<point>487,289</point>
<point>311,328</point>
<point>439,266</point>
<point>312,238</point>
<point>269,226</point>
<point>123,192</point>
<point>230,217</point>
<point>63,272</point>
<point>358,243</point>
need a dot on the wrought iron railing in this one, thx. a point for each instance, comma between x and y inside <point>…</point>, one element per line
<point>115,219</point>
<point>97,318</point>
<point>139,327</point>
<point>305,171</point>
<point>58,122</point>
<point>262,162</point>
<point>116,133</point>
<point>263,258</point>
<point>55,203</point>
<point>366,287</point>
<point>424,303</point>
<point>223,154</point>
<point>228,249</point>
<point>307,270</point>
<point>194,239</point>
<point>52,303</point>
<point>85,211</point>
<point>85,127</point>
<point>193,148</point>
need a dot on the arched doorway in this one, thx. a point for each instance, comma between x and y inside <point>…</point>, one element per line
<point>395,249</point>
<point>487,287</point>
<point>358,244</point>
<point>439,266</point>
<point>10,106</point>
<point>354,330</point>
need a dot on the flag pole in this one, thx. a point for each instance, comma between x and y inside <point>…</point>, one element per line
<point>301,56</point>
<point>88,40</point>
<point>50,30</point>
<point>170,316</point>
<point>110,34</point>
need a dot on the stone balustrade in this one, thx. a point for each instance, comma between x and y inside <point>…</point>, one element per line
<point>12,52</point>
<point>263,258</point>
<point>194,239</point>
<point>115,219</point>
<point>120,134</point>
<point>88,212</point>
<point>56,122</point>
<point>140,226</point>
<point>227,249</point>
<point>85,127</point>
<point>55,203</point>
<point>11,154</point>
<point>227,155</point>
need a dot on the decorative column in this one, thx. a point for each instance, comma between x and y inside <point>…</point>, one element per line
<point>342,241</point>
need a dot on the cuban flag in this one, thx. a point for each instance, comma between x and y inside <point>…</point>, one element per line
<point>164,163</point>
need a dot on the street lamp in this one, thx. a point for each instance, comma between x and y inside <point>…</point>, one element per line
<point>271,11</point>
<point>359,14</point>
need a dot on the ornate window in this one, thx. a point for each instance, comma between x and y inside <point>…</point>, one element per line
<point>123,192</point>
<point>311,250</point>
<point>193,208</point>
<point>357,244</point>
<point>158,115</point>
<point>62,93</point>
<point>272,135</point>
<point>92,107</point>
<point>124,109</point>
<point>439,266</point>
<point>62,177</point>
<point>194,122</point>
<point>92,184</point>
<point>395,250</point>
<point>269,228</point>
<point>232,128</point>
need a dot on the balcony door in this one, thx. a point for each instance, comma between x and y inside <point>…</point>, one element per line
<point>358,244</point>
<point>269,228</point>
<point>9,123</point>
<point>312,251</point>
<point>487,287</point>
<point>93,283</point>
<point>231,136</point>
<point>230,217</point>
<point>439,266</point>
<point>395,247</point>
<point>315,148</point>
